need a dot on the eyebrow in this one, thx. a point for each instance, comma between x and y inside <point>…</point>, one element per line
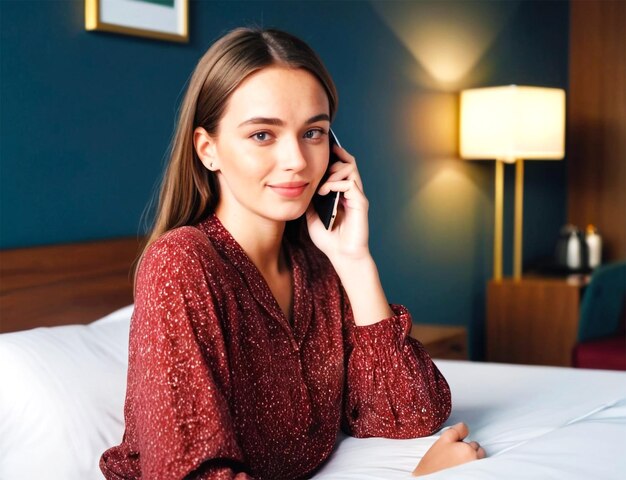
<point>280,123</point>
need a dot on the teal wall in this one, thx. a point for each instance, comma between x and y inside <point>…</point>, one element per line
<point>86,119</point>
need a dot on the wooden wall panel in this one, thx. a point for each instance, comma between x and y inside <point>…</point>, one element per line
<point>596,145</point>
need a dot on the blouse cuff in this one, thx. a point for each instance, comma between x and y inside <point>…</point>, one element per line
<point>391,330</point>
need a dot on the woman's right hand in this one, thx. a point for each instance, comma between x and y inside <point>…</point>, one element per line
<point>448,451</point>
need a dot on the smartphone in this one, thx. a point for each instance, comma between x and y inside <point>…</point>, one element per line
<point>326,205</point>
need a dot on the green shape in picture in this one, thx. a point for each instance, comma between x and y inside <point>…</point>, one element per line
<point>165,3</point>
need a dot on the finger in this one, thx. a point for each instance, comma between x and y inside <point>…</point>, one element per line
<point>480,453</point>
<point>462,428</point>
<point>336,166</point>
<point>455,433</point>
<point>341,167</point>
<point>474,445</point>
<point>450,435</point>
<point>342,171</point>
<point>349,172</point>
<point>351,196</point>
<point>344,186</point>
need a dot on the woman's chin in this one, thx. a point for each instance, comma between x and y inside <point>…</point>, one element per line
<point>291,214</point>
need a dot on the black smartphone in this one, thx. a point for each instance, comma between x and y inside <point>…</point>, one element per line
<point>326,205</point>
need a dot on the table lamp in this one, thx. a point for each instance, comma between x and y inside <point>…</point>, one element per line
<point>512,124</point>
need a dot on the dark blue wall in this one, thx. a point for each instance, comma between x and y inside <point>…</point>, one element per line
<point>86,119</point>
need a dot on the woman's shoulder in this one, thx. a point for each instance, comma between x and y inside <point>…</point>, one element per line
<point>177,248</point>
<point>181,238</point>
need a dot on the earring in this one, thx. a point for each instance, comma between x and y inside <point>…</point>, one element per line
<point>211,165</point>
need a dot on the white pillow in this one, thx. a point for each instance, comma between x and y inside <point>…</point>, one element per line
<point>61,398</point>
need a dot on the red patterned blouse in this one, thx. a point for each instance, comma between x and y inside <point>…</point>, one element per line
<point>222,385</point>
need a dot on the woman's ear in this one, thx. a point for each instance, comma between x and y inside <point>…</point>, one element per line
<point>205,147</point>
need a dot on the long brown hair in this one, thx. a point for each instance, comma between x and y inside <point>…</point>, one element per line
<point>189,191</point>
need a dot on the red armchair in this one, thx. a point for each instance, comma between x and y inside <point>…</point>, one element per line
<point>602,328</point>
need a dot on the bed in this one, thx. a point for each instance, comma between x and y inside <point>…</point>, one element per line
<point>62,388</point>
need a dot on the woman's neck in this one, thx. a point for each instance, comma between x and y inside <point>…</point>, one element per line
<point>260,238</point>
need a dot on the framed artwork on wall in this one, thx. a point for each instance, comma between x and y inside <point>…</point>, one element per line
<point>158,19</point>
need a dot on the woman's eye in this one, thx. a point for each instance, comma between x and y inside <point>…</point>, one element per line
<point>314,134</point>
<point>261,136</point>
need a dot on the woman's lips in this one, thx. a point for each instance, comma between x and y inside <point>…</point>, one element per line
<point>289,189</point>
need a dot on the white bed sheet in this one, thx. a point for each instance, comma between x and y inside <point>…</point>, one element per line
<point>534,422</point>
<point>62,393</point>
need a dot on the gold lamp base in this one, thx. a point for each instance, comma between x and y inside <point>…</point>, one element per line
<point>519,206</point>
<point>498,219</point>
<point>497,224</point>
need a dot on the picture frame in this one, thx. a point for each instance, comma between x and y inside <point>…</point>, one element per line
<point>157,19</point>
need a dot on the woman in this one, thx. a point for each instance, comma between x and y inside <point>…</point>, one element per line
<point>257,333</point>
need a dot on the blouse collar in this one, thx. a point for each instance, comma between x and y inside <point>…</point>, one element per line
<point>228,247</point>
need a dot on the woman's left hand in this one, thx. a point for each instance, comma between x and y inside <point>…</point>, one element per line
<point>348,239</point>
<point>449,451</point>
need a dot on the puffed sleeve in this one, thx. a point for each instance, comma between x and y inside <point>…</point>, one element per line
<point>393,389</point>
<point>178,423</point>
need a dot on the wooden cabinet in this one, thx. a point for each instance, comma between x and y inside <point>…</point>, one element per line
<point>449,342</point>
<point>533,320</point>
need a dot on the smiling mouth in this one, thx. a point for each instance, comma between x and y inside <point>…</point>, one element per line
<point>289,189</point>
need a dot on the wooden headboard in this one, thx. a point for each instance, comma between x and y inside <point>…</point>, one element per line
<point>65,284</point>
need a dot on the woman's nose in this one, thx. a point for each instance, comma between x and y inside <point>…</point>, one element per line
<point>292,155</point>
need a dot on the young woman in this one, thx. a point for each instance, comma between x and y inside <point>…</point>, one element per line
<point>257,333</point>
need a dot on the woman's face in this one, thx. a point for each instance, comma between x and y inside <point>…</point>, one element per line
<point>271,149</point>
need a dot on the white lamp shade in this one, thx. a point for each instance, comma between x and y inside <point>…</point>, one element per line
<point>513,122</point>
